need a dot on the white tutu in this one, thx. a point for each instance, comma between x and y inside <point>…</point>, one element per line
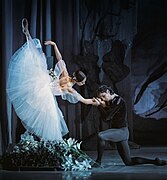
<point>28,88</point>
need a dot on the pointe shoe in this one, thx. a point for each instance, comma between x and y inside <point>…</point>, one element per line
<point>25,26</point>
<point>160,162</point>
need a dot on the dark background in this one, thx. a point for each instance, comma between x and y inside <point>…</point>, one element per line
<point>121,43</point>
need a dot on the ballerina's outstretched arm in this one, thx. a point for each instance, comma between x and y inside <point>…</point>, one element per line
<point>92,101</point>
<point>57,52</point>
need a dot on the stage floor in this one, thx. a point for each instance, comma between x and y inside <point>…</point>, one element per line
<point>113,168</point>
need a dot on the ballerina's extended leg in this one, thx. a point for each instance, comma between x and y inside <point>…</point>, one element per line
<point>25,28</point>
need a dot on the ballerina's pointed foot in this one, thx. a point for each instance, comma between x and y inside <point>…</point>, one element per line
<point>25,26</point>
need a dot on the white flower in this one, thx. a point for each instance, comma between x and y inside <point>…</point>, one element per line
<point>79,145</point>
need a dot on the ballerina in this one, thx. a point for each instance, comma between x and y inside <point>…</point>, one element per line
<point>32,91</point>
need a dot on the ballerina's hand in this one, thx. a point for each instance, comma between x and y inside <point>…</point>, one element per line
<point>101,102</point>
<point>49,43</point>
<point>95,102</point>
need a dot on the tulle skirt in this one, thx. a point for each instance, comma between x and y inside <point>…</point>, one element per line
<point>28,88</point>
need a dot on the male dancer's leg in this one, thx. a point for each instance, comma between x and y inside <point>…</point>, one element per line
<point>124,152</point>
<point>111,135</point>
<point>100,149</point>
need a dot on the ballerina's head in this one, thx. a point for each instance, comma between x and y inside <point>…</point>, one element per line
<point>79,77</point>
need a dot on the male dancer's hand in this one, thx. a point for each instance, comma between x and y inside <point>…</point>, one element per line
<point>95,102</point>
<point>102,103</point>
<point>98,102</point>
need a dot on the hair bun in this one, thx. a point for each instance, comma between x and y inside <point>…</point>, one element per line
<point>79,76</point>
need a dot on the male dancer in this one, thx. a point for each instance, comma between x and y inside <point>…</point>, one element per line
<point>112,108</point>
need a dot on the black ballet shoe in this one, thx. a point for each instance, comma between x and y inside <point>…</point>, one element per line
<point>160,162</point>
<point>25,26</point>
<point>97,164</point>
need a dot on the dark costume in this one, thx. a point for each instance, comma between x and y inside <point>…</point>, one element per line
<point>115,114</point>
